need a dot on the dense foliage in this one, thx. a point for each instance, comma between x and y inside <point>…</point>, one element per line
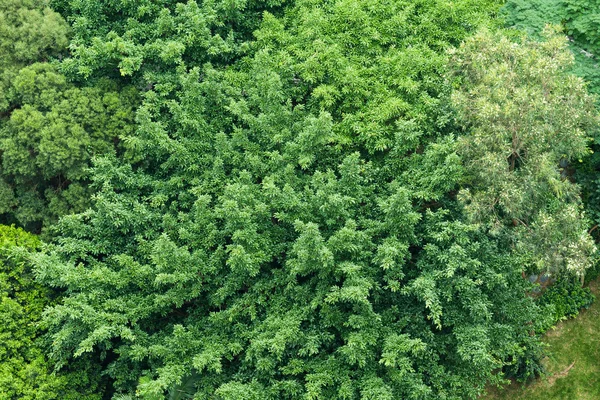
<point>49,139</point>
<point>580,20</point>
<point>30,32</point>
<point>567,297</point>
<point>289,199</point>
<point>25,372</point>
<point>525,116</point>
<point>49,128</point>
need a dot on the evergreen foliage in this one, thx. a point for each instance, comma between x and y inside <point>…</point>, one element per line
<point>151,40</point>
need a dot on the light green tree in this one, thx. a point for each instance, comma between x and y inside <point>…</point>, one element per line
<point>525,118</point>
<point>25,372</point>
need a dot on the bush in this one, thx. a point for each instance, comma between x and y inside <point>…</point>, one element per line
<point>527,365</point>
<point>593,272</point>
<point>566,297</point>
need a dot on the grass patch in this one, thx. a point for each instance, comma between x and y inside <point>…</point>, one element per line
<point>574,365</point>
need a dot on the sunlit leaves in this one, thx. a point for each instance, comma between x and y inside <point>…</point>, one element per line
<point>525,116</point>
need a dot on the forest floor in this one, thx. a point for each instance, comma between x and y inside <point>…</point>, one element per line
<point>574,364</point>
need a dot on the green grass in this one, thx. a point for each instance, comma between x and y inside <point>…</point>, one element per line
<point>574,365</point>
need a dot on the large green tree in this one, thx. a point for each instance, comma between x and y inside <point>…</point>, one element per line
<point>148,40</point>
<point>313,200</point>
<point>289,226</point>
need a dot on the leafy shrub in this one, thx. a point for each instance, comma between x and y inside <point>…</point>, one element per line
<point>566,297</point>
<point>562,300</point>
<point>582,19</point>
<point>527,364</point>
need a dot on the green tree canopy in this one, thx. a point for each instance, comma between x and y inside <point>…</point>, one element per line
<point>49,139</point>
<point>49,128</point>
<point>289,227</point>
<point>151,38</point>
<point>29,32</point>
<point>580,20</point>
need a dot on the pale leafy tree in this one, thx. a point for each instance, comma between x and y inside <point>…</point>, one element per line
<point>526,121</point>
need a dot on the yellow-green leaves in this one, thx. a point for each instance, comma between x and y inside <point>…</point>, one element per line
<point>524,116</point>
<point>25,370</point>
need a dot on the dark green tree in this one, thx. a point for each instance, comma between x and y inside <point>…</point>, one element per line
<point>148,40</point>
<point>29,32</point>
<point>49,128</point>
<point>47,142</point>
<point>313,200</point>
